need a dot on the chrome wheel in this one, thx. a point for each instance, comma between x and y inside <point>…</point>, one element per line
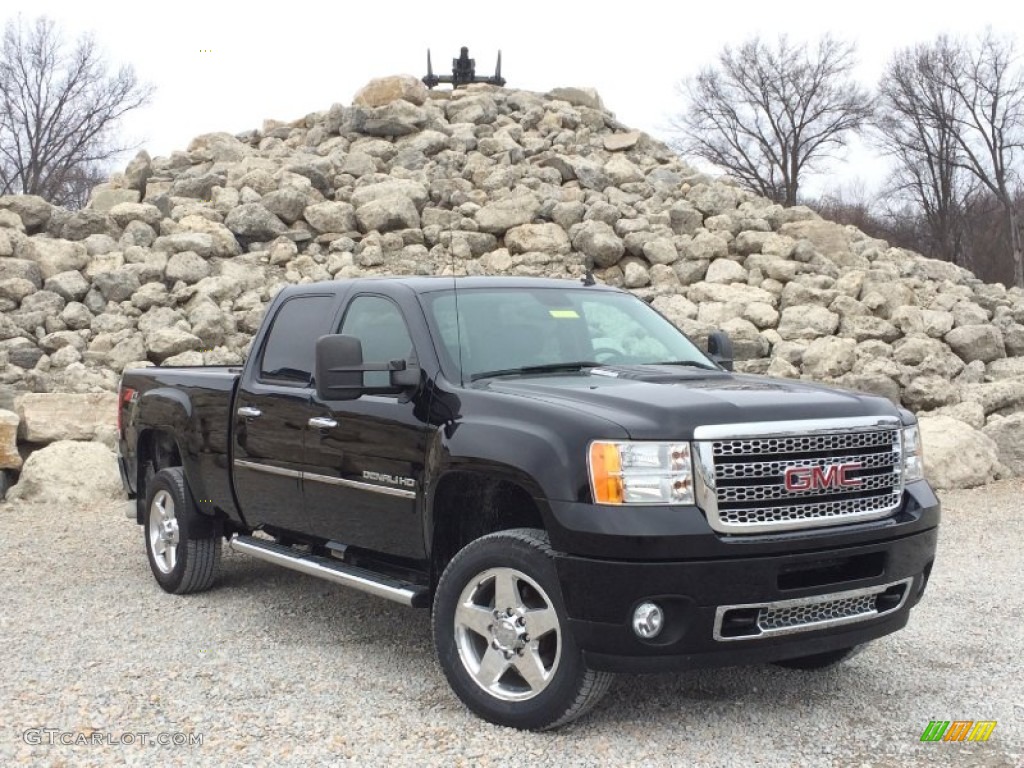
<point>508,634</point>
<point>163,531</point>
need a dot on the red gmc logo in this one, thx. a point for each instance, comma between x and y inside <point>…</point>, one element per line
<point>819,478</point>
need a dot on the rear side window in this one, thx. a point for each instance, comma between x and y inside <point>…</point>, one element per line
<point>289,351</point>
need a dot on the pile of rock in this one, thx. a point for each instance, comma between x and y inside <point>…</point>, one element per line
<point>175,259</point>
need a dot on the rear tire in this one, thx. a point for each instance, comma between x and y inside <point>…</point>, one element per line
<point>503,638</point>
<point>820,660</point>
<point>183,550</point>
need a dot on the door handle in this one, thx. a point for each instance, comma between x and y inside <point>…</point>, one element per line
<point>322,422</point>
<point>249,412</point>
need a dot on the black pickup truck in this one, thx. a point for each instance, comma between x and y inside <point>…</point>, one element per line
<point>558,473</point>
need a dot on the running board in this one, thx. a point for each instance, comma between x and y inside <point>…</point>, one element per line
<point>331,570</point>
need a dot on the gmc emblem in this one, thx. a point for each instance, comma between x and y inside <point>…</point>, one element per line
<point>820,478</point>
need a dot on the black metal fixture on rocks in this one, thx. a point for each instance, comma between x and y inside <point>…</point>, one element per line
<point>463,72</point>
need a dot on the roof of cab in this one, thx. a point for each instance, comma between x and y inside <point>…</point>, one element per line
<point>427,284</point>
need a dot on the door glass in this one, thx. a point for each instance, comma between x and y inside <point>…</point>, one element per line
<point>378,323</point>
<point>290,349</point>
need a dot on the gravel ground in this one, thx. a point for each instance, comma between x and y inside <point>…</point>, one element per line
<point>277,668</point>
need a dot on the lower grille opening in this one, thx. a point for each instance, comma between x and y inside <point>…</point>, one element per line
<point>832,571</point>
<point>782,617</point>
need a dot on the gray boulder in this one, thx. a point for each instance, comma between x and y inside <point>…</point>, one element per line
<point>543,238</point>
<point>118,285</point>
<point>54,475</point>
<point>956,455</point>
<point>287,203</point>
<point>829,357</point>
<point>187,266</point>
<point>48,418</point>
<point>1008,435</point>
<point>807,322</point>
<point>501,215</point>
<point>33,210</point>
<point>70,285</point>
<point>388,213</point>
<point>167,342</point>
<point>253,221</point>
<point>138,171</point>
<point>331,217</point>
<point>598,241</point>
<point>56,256</point>
<point>977,342</point>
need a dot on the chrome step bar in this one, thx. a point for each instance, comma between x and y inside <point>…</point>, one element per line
<point>331,570</point>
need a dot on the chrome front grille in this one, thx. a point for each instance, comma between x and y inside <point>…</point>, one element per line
<point>753,621</point>
<point>742,470</point>
<point>772,618</point>
<point>799,444</point>
<point>727,493</point>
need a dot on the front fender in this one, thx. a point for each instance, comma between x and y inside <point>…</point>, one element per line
<point>534,456</point>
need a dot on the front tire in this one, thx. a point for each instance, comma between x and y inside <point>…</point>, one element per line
<point>502,636</point>
<point>184,554</point>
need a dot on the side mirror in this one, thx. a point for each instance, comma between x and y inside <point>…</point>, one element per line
<point>339,368</point>
<point>720,349</point>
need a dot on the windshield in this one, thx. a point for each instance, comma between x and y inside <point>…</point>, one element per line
<point>503,330</point>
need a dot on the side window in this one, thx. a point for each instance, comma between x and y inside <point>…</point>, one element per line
<point>289,351</point>
<point>379,325</point>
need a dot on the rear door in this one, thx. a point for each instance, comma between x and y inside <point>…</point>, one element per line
<point>364,464</point>
<point>272,413</point>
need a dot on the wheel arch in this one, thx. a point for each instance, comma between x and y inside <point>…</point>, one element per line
<point>468,503</point>
<point>157,448</point>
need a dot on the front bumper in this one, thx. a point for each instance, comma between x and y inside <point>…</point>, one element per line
<point>600,596</point>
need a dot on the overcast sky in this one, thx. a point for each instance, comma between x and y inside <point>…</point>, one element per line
<point>283,60</point>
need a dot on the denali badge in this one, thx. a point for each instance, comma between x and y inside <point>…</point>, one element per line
<point>380,477</point>
<point>820,478</point>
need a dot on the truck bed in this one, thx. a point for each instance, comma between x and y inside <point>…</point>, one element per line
<point>194,403</point>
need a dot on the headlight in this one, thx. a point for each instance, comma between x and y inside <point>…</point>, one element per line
<point>629,472</point>
<point>913,454</point>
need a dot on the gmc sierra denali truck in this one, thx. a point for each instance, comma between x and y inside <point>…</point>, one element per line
<point>558,473</point>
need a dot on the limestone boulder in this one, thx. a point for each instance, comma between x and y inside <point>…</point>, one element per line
<point>977,342</point>
<point>502,215</point>
<point>52,417</point>
<point>57,475</point>
<point>957,455</point>
<point>1008,435</point>
<point>384,90</point>
<point>9,456</point>
<point>829,357</point>
<point>598,240</point>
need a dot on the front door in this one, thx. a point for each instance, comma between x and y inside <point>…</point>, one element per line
<point>271,416</point>
<point>364,458</point>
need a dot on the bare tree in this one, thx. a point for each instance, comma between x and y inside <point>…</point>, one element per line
<point>916,124</point>
<point>59,108</point>
<point>769,113</point>
<point>987,81</point>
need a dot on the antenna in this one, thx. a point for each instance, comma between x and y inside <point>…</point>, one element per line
<point>455,292</point>
<point>588,277</point>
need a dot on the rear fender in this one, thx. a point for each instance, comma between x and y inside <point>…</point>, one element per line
<point>171,412</point>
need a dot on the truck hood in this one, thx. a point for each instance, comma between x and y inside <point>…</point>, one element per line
<point>659,402</point>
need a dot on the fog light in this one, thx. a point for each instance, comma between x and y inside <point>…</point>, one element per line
<point>648,620</point>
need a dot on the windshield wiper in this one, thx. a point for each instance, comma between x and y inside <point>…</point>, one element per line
<point>546,368</point>
<point>688,364</point>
